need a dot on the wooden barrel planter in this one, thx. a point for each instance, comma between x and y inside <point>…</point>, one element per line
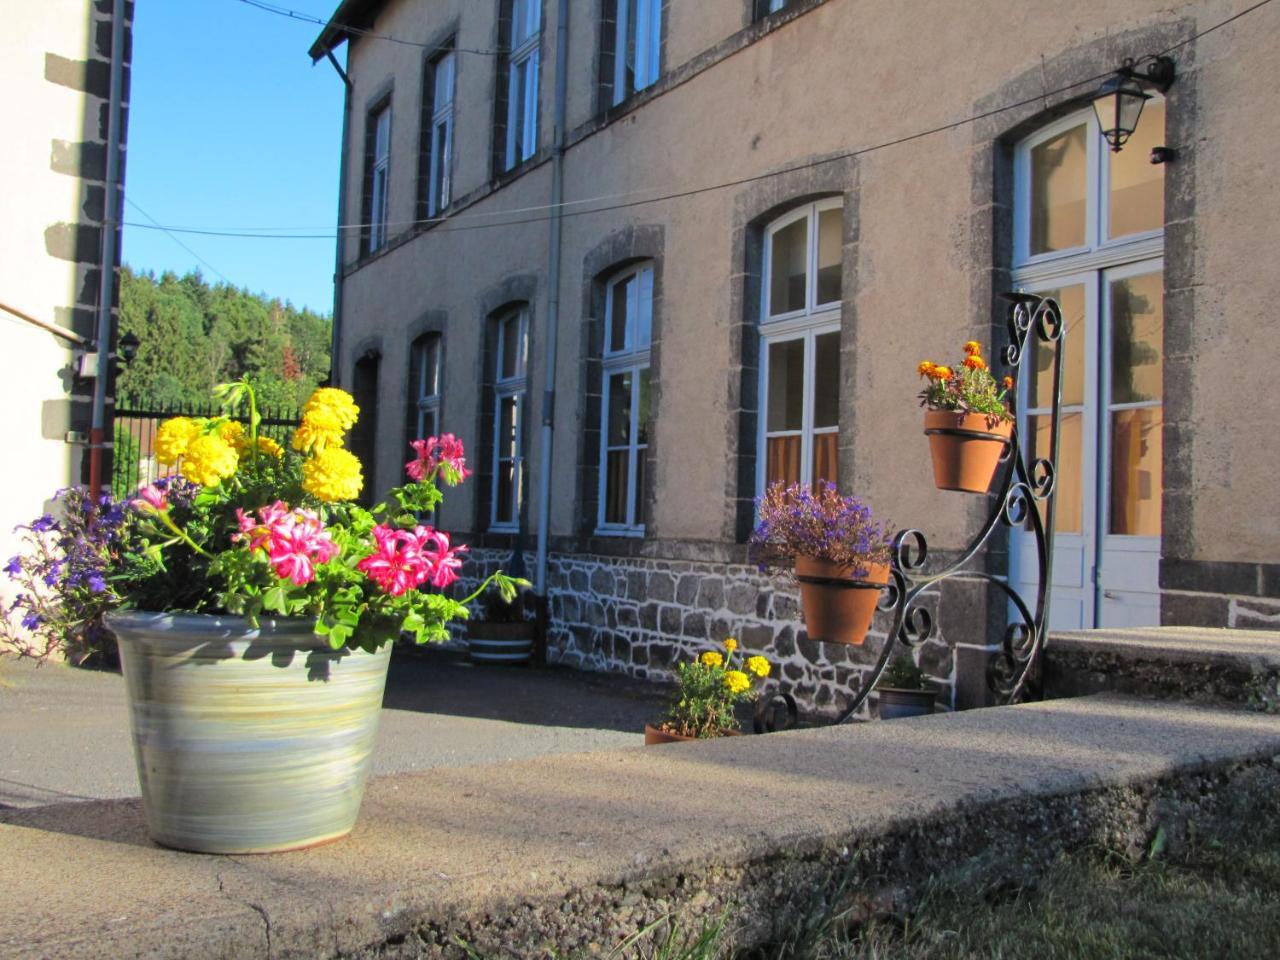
<point>493,642</point>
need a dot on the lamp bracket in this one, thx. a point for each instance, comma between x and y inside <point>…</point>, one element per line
<point>1152,71</point>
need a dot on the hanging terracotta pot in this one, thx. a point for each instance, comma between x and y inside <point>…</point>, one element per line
<point>966,448</point>
<point>837,606</point>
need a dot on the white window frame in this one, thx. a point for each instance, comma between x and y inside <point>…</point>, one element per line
<point>506,388</point>
<point>646,16</point>
<point>439,171</point>
<point>427,403</point>
<point>810,322</point>
<point>633,357</point>
<point>523,63</point>
<point>381,176</point>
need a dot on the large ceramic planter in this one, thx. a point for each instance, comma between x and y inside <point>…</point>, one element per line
<point>492,642</point>
<point>896,703</point>
<point>838,607</point>
<point>247,740</point>
<point>966,448</point>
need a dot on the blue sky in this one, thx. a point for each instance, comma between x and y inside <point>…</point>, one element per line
<point>230,126</point>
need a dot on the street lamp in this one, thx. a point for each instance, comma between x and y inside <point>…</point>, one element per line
<point>1119,101</point>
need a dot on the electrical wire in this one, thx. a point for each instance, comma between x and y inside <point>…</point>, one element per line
<point>176,240</point>
<point>459,223</point>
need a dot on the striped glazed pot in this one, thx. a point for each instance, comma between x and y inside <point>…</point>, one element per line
<point>247,740</point>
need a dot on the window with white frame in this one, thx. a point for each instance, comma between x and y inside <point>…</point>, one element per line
<point>624,421</point>
<point>510,386</point>
<point>379,139</point>
<point>424,383</point>
<point>637,46</point>
<point>766,7</point>
<point>440,145</point>
<point>522,82</point>
<point>800,346</point>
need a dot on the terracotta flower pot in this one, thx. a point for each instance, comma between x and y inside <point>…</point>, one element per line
<point>966,448</point>
<point>652,735</point>
<point>837,606</point>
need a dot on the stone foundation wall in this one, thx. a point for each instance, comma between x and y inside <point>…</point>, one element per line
<point>641,616</point>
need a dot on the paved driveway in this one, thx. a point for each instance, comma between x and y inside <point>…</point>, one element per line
<point>64,733</point>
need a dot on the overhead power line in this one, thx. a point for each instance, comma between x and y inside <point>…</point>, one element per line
<point>158,226</point>
<point>372,35</point>
<point>542,213</point>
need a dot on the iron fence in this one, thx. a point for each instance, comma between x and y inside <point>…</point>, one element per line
<point>137,419</point>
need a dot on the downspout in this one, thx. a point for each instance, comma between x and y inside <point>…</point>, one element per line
<point>335,327</point>
<point>110,228</point>
<point>553,320</point>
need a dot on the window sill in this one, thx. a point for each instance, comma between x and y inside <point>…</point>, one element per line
<point>633,532</point>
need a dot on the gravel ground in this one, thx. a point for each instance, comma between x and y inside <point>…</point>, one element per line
<point>64,732</point>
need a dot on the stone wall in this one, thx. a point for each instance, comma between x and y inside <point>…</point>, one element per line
<point>640,616</point>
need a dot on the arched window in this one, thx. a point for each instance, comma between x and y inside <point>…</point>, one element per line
<point>1089,231</point>
<point>510,383</point>
<point>424,387</point>
<point>624,415</point>
<point>800,345</point>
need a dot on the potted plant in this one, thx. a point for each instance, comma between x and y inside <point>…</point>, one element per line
<point>710,686</point>
<point>967,420</point>
<point>840,556</point>
<point>257,605</point>
<point>501,634</point>
<point>903,690</point>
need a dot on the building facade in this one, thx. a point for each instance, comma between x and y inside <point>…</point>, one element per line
<point>57,70</point>
<point>771,212</point>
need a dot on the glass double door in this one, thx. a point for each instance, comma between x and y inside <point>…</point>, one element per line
<point>1107,527</point>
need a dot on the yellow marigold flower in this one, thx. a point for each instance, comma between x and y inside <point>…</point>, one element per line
<point>270,447</point>
<point>940,373</point>
<point>1008,383</point>
<point>926,368</point>
<point>730,644</point>
<point>759,666</point>
<point>326,417</point>
<point>712,659</point>
<point>975,362</point>
<point>233,432</point>
<point>173,438</point>
<point>333,474</point>
<point>737,681</point>
<point>972,349</point>
<point>209,460</point>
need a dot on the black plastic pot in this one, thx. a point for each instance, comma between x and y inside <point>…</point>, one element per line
<point>896,704</point>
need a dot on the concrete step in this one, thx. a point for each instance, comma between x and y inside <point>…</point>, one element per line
<point>557,855</point>
<point>1199,664</point>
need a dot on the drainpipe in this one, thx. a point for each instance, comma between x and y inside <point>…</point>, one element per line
<point>335,327</point>
<point>110,226</point>
<point>553,318</point>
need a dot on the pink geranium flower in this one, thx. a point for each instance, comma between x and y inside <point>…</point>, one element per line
<point>444,559</point>
<point>153,497</point>
<point>396,564</point>
<point>293,540</point>
<point>436,452</point>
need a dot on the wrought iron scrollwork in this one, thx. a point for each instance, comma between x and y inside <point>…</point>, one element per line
<point>1027,483</point>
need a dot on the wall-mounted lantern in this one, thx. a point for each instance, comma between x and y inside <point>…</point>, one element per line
<point>1119,101</point>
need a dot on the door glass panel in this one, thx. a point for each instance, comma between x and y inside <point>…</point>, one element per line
<point>618,306</point>
<point>830,256</point>
<point>786,385</point>
<point>1058,185</point>
<point>782,462</point>
<point>507,427</point>
<point>1136,478</point>
<point>826,380</point>
<point>787,265</point>
<point>502,508</point>
<point>1040,363</point>
<point>619,409</point>
<point>825,448</point>
<point>637,513</point>
<point>1137,338</point>
<point>1136,200</point>
<point>1070,495</point>
<point>615,495</point>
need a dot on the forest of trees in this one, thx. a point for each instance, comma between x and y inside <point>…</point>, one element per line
<point>195,336</point>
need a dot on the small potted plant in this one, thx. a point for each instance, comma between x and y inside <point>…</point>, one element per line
<point>710,687</point>
<point>839,552</point>
<point>502,634</point>
<point>967,420</point>
<point>903,690</point>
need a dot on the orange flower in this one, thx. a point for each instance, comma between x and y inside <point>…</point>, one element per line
<point>975,362</point>
<point>926,368</point>
<point>941,373</point>
<point>1008,383</point>
<point>972,349</point>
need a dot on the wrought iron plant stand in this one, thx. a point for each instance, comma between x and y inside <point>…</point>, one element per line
<point>1026,482</point>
